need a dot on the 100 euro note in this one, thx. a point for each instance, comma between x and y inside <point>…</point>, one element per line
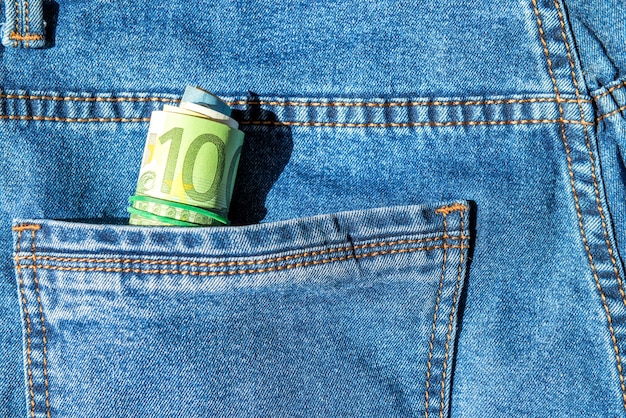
<point>188,161</point>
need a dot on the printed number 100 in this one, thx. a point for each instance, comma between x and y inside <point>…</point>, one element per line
<point>175,135</point>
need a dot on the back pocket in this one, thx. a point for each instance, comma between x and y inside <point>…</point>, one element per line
<point>349,314</point>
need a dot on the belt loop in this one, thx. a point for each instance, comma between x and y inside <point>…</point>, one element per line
<point>24,25</point>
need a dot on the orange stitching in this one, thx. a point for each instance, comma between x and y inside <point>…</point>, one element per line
<point>597,194</point>
<point>88,99</point>
<point>233,272</point>
<point>442,405</point>
<point>452,208</point>
<point>29,362</point>
<point>43,322</point>
<point>26,28</point>
<point>412,124</point>
<point>26,16</point>
<point>431,344</point>
<point>611,90</point>
<point>293,103</point>
<point>578,209</point>
<point>28,227</point>
<point>28,37</point>
<point>241,263</point>
<point>400,104</point>
<point>17,23</point>
<point>56,119</point>
<point>592,158</point>
<point>606,115</point>
<point>322,124</point>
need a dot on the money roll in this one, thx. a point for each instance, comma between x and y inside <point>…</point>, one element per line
<point>189,164</point>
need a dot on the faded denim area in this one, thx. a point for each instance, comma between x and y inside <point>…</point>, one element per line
<point>362,120</point>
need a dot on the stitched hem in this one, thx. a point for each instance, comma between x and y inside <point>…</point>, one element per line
<point>263,112</point>
<point>589,199</point>
<point>422,218</point>
<point>35,332</point>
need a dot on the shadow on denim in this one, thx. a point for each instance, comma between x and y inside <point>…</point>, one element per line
<point>266,151</point>
<point>472,217</point>
<point>50,16</point>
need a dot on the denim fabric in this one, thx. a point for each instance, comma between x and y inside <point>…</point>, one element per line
<point>324,316</point>
<point>363,120</point>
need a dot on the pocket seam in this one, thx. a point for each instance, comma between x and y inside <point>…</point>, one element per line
<point>434,324</point>
<point>442,398</point>
<point>242,263</point>
<point>347,256</point>
<point>27,318</point>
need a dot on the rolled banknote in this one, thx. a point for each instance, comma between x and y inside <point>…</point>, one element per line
<point>188,169</point>
<point>205,99</point>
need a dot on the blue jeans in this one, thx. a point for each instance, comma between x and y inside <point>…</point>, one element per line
<point>428,218</point>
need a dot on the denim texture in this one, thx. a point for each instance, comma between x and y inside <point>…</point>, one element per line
<point>307,317</point>
<point>362,120</point>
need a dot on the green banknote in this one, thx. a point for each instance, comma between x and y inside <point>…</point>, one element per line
<point>191,161</point>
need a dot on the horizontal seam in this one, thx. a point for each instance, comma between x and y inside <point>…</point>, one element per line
<point>606,115</point>
<point>58,119</point>
<point>88,99</point>
<point>609,91</point>
<point>243,271</point>
<point>402,104</point>
<point>238,263</point>
<point>416,124</point>
<point>299,103</point>
<point>319,124</point>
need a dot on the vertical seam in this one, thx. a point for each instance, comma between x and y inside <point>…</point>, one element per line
<point>43,323</point>
<point>434,325</point>
<point>17,21</point>
<point>577,204</point>
<point>29,361</point>
<point>26,29</point>
<point>592,159</point>
<point>451,318</point>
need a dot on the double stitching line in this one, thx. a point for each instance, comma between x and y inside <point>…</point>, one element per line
<point>293,103</point>
<point>307,104</point>
<point>241,263</point>
<point>451,318</point>
<point>33,229</point>
<point>413,124</point>
<point>577,203</point>
<point>592,160</point>
<point>317,124</point>
<point>446,210</point>
<point>58,119</point>
<point>87,99</point>
<point>399,104</point>
<point>431,344</point>
<point>43,323</point>
<point>17,31</point>
<point>444,237</point>
<point>241,271</point>
<point>29,362</point>
<point>26,28</point>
